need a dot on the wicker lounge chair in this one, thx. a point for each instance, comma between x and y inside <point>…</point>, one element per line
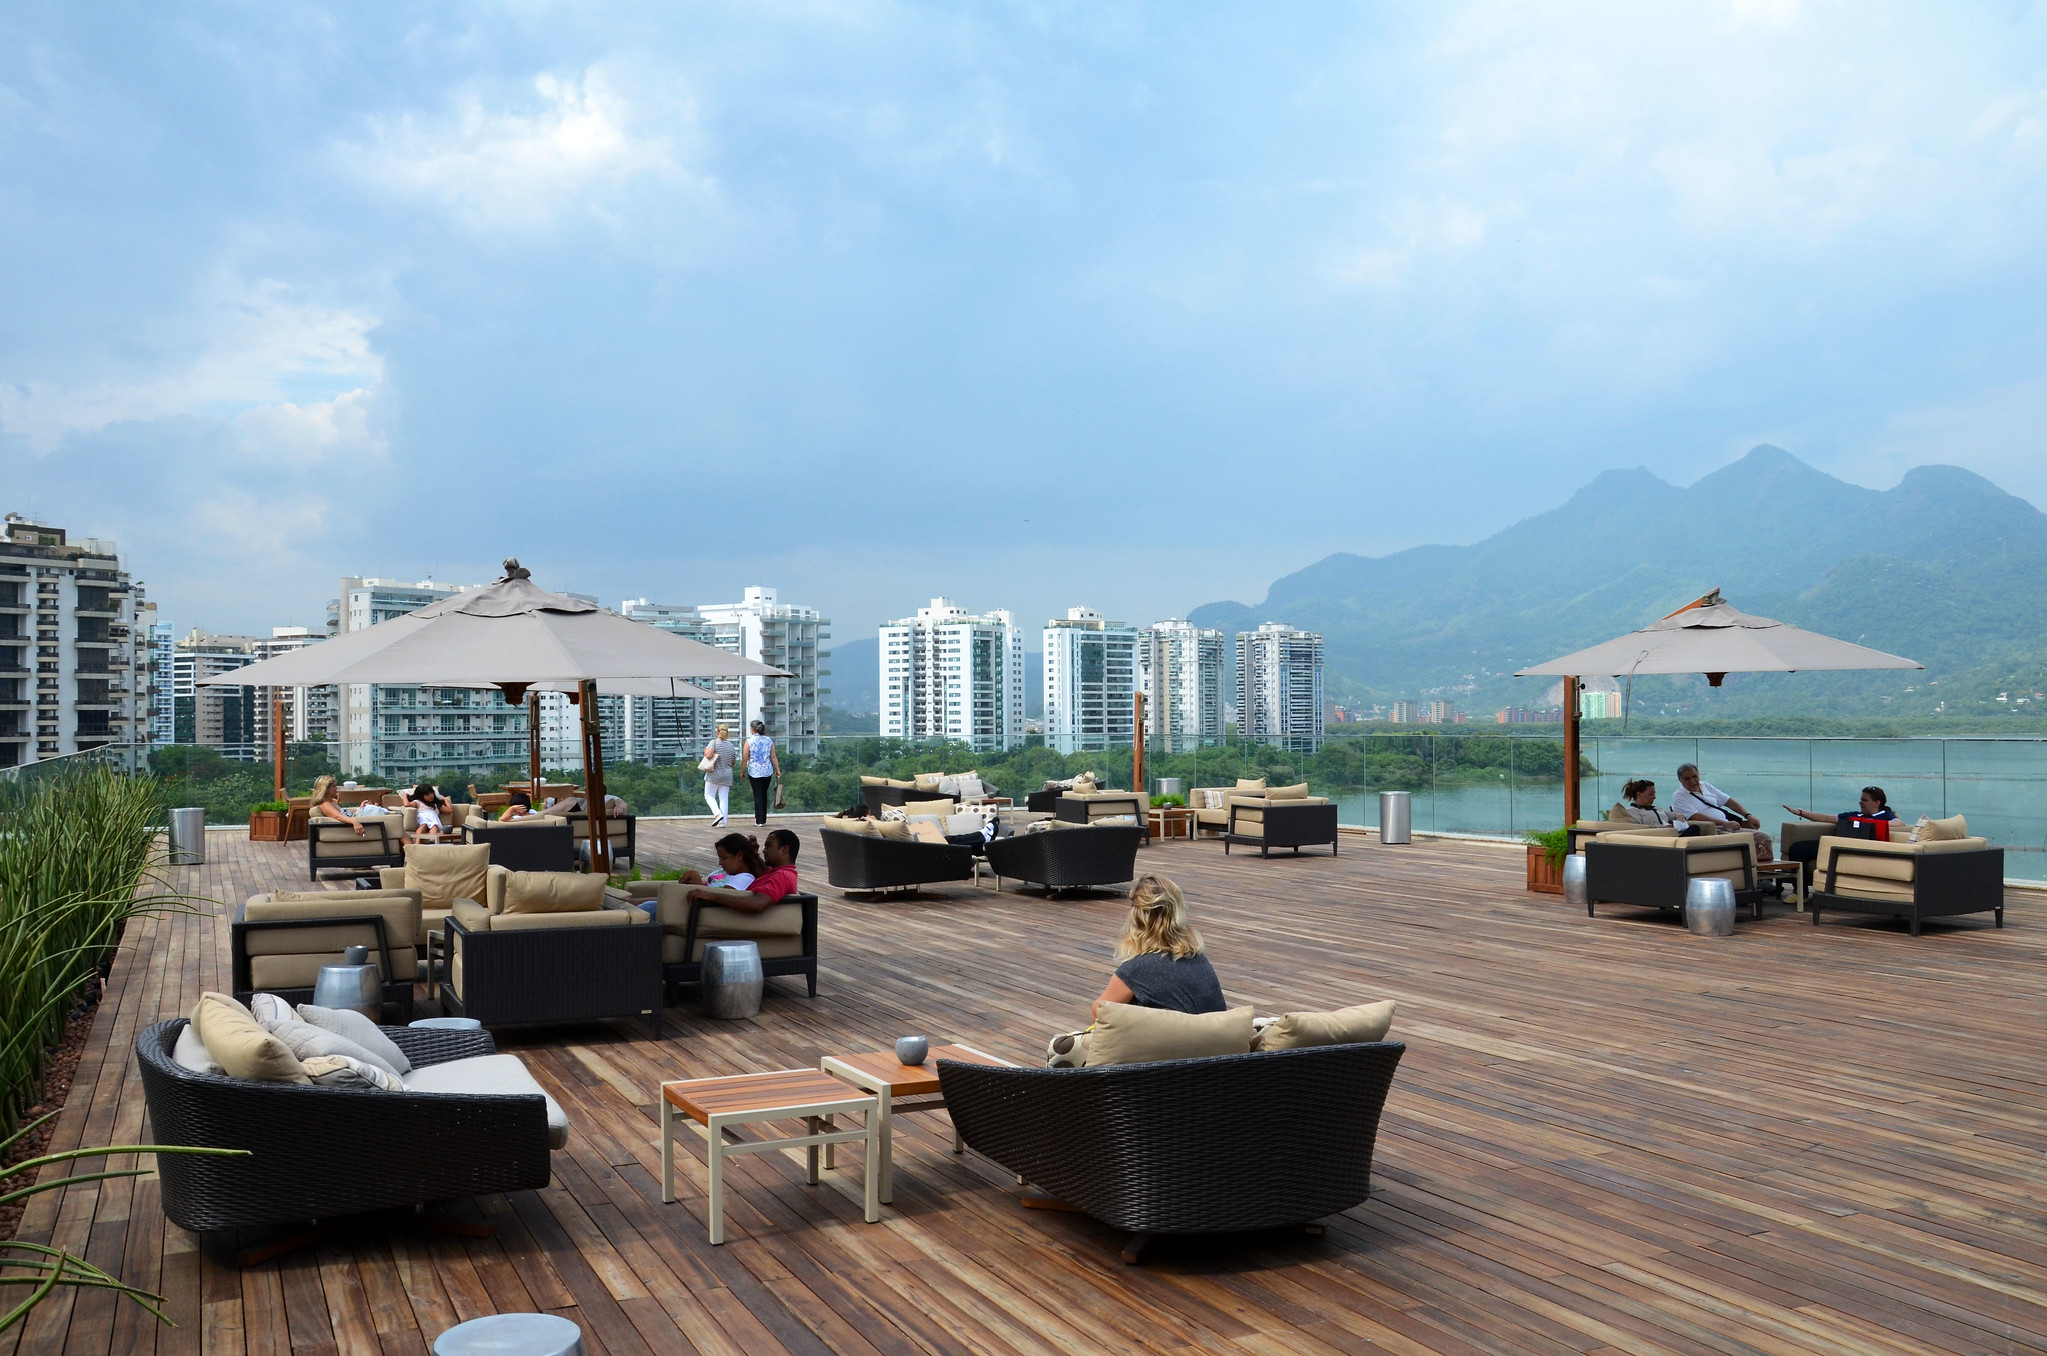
<point>859,861</point>
<point>1190,1146</point>
<point>1068,858</point>
<point>537,843</point>
<point>1652,869</point>
<point>1912,881</point>
<point>318,1153</point>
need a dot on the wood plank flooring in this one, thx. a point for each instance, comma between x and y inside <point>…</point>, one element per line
<point>1606,1136</point>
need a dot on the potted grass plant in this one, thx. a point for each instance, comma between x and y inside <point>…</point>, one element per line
<point>1546,851</point>
<point>267,821</point>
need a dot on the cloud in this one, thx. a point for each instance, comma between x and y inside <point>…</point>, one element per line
<point>525,168</point>
<point>260,351</point>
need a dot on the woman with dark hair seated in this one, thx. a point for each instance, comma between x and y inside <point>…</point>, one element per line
<point>1874,806</point>
<point>778,854</point>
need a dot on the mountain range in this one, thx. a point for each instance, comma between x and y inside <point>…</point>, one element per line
<point>1945,568</point>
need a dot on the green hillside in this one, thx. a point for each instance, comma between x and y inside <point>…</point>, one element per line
<point>1945,568</point>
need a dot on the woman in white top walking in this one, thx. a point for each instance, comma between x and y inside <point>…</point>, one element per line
<point>762,767</point>
<point>719,755</point>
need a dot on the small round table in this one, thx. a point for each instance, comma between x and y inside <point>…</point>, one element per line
<point>447,1024</point>
<point>512,1335</point>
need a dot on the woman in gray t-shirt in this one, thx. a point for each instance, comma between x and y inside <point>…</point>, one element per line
<point>1160,960</point>
<point>721,754</point>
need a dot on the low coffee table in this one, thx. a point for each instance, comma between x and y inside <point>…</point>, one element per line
<point>1171,821</point>
<point>889,1079</point>
<point>721,1105</point>
<point>1792,873</point>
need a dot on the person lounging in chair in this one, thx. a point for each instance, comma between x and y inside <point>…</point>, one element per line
<point>1700,802</point>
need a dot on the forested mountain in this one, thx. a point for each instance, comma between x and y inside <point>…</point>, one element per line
<point>1945,568</point>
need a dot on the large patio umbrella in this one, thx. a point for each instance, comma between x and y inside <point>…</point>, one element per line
<point>511,635</point>
<point>1705,636</point>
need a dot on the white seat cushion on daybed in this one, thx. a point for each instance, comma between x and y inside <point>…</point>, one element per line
<point>490,1075</point>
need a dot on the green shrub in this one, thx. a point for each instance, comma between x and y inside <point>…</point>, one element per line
<point>271,806</point>
<point>1556,842</point>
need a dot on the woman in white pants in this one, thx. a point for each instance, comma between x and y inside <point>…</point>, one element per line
<point>718,779</point>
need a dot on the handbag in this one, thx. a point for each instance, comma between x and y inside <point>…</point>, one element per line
<point>781,801</point>
<point>708,762</point>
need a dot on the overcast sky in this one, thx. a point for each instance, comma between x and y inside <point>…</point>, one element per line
<point>1032,305</point>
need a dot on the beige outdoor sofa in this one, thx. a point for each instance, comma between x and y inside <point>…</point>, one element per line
<point>550,946</point>
<point>1942,873</point>
<point>785,932</point>
<point>1652,868</point>
<point>1282,817</point>
<point>278,941</point>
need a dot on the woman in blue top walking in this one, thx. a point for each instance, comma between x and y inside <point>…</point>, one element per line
<point>762,767</point>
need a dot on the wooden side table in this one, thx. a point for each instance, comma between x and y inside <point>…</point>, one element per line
<point>891,1081</point>
<point>1171,821</point>
<point>721,1105</point>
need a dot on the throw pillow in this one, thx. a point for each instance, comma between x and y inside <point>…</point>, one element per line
<point>897,828</point>
<point>1298,791</point>
<point>553,892</point>
<point>190,1053</point>
<point>928,781</point>
<point>1211,797</point>
<point>949,785</point>
<point>927,830</point>
<point>1943,830</point>
<point>1345,1026</point>
<point>306,1041</point>
<point>964,823</point>
<point>239,1045</point>
<point>446,872</point>
<point>1247,787</point>
<point>1125,1034</point>
<point>893,812</point>
<point>268,1008</point>
<point>340,1071</point>
<point>1067,1051</point>
<point>970,787</point>
<point>360,1029</point>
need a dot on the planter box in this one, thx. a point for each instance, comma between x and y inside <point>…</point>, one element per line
<point>267,826</point>
<point>1543,878</point>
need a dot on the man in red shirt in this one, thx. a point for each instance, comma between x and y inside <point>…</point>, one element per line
<point>769,887</point>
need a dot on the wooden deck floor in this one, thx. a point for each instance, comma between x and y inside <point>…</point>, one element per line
<point>1607,1136</point>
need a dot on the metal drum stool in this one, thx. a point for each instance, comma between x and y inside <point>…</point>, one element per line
<point>512,1335</point>
<point>356,984</point>
<point>1709,907</point>
<point>732,982</point>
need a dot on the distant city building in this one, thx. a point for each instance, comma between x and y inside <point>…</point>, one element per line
<point>1180,669</point>
<point>661,729</point>
<point>1515,715</point>
<point>403,734</point>
<point>1440,713</point>
<point>1599,705</point>
<point>784,636</point>
<point>232,721</point>
<point>1091,682</point>
<point>1405,713</point>
<point>950,674</point>
<point>163,706</point>
<point>311,714</point>
<point>71,634</point>
<point>1279,687</point>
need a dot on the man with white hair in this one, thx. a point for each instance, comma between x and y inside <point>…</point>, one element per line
<point>1700,802</point>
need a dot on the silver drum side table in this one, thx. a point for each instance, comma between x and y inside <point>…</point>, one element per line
<point>733,979</point>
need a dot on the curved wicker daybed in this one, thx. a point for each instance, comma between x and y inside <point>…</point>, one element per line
<point>317,1153</point>
<point>1068,858</point>
<point>1187,1146</point>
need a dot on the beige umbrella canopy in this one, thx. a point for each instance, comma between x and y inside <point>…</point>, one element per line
<point>511,635</point>
<point>1704,636</point>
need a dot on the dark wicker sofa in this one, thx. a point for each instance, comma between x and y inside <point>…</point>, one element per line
<point>527,847</point>
<point>317,1153</point>
<point>858,861</point>
<point>1909,881</point>
<point>1269,824</point>
<point>1068,858</point>
<point>550,974</point>
<point>1189,1146</point>
<point>1653,871</point>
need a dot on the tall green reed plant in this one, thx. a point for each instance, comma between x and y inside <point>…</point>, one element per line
<point>79,856</point>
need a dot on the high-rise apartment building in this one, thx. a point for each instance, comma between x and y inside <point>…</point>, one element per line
<point>401,734</point>
<point>75,671</point>
<point>660,729</point>
<point>948,674</point>
<point>163,706</point>
<point>232,721</point>
<point>1441,713</point>
<point>784,636</point>
<point>1180,669</point>
<point>311,714</point>
<point>1405,713</point>
<point>1090,682</point>
<point>1279,687</point>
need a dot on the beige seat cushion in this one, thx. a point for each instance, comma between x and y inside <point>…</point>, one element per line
<point>1126,1034</point>
<point>898,829</point>
<point>1247,786</point>
<point>1345,1026</point>
<point>777,920</point>
<point>1943,830</point>
<point>499,1075</point>
<point>1299,791</point>
<point>446,872</point>
<point>552,892</point>
<point>398,908</point>
<point>927,831</point>
<point>874,781</point>
<point>840,824</point>
<point>927,781</point>
<point>588,918</point>
<point>239,1045</point>
<point>771,948</point>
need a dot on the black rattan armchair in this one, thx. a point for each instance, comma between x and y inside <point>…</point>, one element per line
<point>553,974</point>
<point>333,846</point>
<point>1186,1146</point>
<point>859,861</point>
<point>1943,884</point>
<point>1064,859</point>
<point>317,1153</point>
<point>527,847</point>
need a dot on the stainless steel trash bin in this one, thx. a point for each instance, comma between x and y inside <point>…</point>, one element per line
<point>1172,786</point>
<point>188,836</point>
<point>1396,817</point>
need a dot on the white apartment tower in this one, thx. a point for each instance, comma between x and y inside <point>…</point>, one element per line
<point>75,660</point>
<point>948,674</point>
<point>1090,682</point>
<point>660,729</point>
<point>405,734</point>
<point>163,663</point>
<point>1180,670</point>
<point>1279,687</point>
<point>784,636</point>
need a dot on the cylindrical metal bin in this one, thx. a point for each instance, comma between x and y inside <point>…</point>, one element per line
<point>732,979</point>
<point>1709,906</point>
<point>188,836</point>
<point>1574,878</point>
<point>1172,786</point>
<point>1396,816</point>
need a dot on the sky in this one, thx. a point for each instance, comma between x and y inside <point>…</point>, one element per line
<point>1031,305</point>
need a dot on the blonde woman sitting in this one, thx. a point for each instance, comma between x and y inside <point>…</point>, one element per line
<point>327,803</point>
<point>1161,965</point>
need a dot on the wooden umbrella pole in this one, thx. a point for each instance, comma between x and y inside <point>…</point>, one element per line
<point>593,781</point>
<point>277,742</point>
<point>1570,750</point>
<point>1137,749</point>
<point>533,744</point>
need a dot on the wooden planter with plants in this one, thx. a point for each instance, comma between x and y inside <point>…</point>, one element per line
<point>267,822</point>
<point>1546,861</point>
